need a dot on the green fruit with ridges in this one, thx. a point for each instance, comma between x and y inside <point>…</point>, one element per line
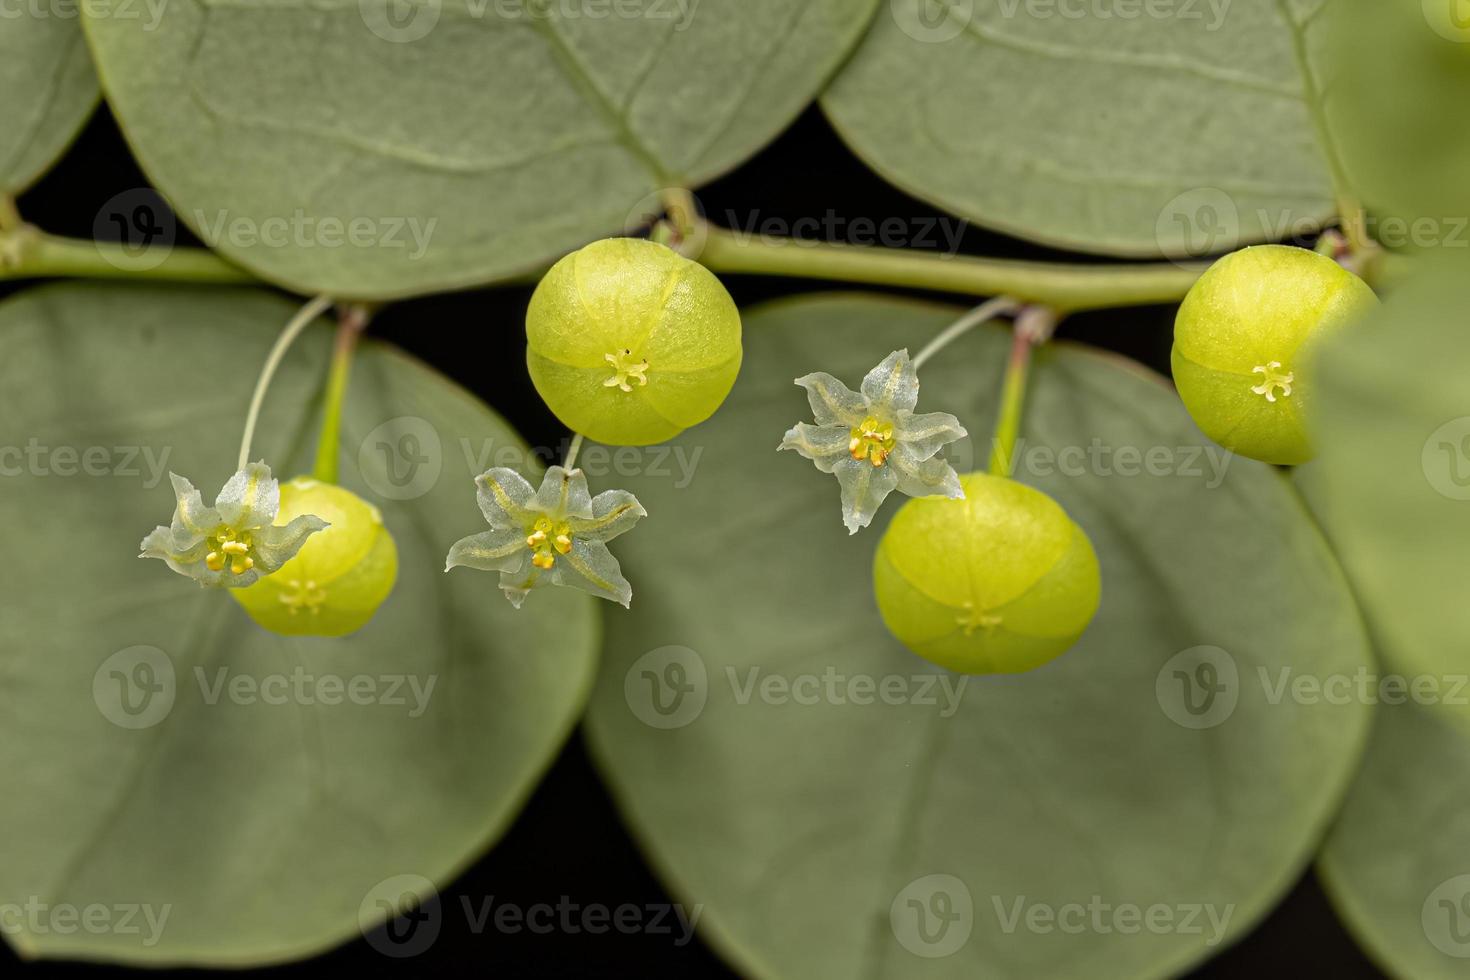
<point>1244,346</point>
<point>1002,581</point>
<point>630,343</point>
<point>340,577</point>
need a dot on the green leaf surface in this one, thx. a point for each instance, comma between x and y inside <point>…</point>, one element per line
<point>49,90</point>
<point>1392,482</point>
<point>1399,73</point>
<point>814,829</point>
<point>1397,864</point>
<point>260,820</point>
<point>468,140</point>
<point>1186,131</point>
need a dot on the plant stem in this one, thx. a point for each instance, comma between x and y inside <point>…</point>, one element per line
<point>572,451</point>
<point>350,325</point>
<point>1060,286</point>
<point>10,218</point>
<point>298,323</point>
<point>1033,327</point>
<point>26,252</point>
<point>981,314</point>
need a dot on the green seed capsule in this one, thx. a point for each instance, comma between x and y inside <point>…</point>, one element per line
<point>1244,342</point>
<point>1002,581</point>
<point>630,343</point>
<point>340,577</point>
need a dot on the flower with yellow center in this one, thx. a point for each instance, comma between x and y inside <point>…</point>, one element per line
<point>234,543</point>
<point>872,440</point>
<point>626,371</point>
<point>554,535</point>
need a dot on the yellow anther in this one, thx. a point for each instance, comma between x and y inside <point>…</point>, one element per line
<point>563,543</point>
<point>242,564</point>
<point>543,560</point>
<point>536,540</point>
<point>214,561</point>
<point>872,441</point>
<point>626,370</point>
<point>1274,378</point>
<point>546,535</point>
<point>235,548</point>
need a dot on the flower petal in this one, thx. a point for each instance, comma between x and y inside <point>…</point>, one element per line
<point>825,445</point>
<point>929,478</point>
<point>614,512</point>
<point>191,518</point>
<point>833,403</point>
<point>564,493</point>
<point>892,386</point>
<point>493,551</point>
<point>273,546</point>
<point>924,435</point>
<point>592,568</point>
<point>864,488</point>
<point>518,582</point>
<point>250,498</point>
<point>506,499</point>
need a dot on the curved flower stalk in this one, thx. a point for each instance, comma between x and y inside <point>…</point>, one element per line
<point>872,440</point>
<point>235,543</point>
<point>554,535</point>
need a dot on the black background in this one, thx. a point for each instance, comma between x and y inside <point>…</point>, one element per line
<point>569,840</point>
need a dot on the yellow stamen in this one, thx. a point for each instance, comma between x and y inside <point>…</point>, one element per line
<point>626,370</point>
<point>214,561</point>
<point>872,441</point>
<point>546,535</point>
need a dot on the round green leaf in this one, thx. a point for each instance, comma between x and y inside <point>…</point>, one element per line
<point>152,757</point>
<point>1392,485</point>
<point>1397,864</point>
<point>900,821</point>
<point>1181,132</point>
<point>50,90</point>
<point>466,140</point>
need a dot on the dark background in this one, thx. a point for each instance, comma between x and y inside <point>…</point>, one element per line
<point>569,840</point>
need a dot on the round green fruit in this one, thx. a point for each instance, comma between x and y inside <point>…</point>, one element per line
<point>1000,582</point>
<point>340,576</point>
<point>630,343</point>
<point>1244,343</point>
